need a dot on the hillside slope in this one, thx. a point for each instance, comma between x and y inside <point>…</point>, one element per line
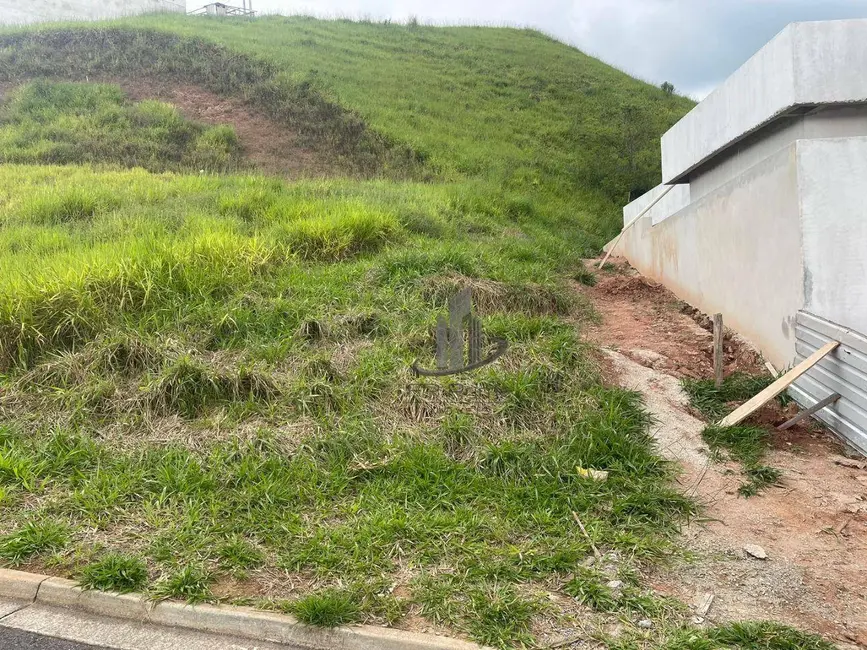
<point>511,105</point>
<point>514,108</point>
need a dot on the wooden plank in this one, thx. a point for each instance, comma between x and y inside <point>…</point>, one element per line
<point>632,223</point>
<point>803,415</point>
<point>745,410</point>
<point>718,350</point>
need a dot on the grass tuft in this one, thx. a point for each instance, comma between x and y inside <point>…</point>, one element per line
<point>715,403</point>
<point>746,445</point>
<point>191,584</point>
<point>32,539</point>
<point>116,572</point>
<point>760,635</point>
<point>238,554</point>
<point>328,608</point>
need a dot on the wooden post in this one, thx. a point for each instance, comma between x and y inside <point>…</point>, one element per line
<point>782,383</point>
<point>803,415</point>
<point>718,350</point>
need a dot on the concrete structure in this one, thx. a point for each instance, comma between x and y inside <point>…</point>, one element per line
<point>767,222</point>
<point>35,11</point>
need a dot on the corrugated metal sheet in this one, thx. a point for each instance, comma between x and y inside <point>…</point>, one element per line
<point>843,371</point>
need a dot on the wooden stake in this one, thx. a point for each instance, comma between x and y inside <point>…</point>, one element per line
<point>584,530</point>
<point>803,415</point>
<point>744,411</point>
<point>718,350</point>
<point>632,223</point>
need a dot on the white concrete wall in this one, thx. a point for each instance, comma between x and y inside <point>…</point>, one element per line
<point>833,180</point>
<point>736,251</point>
<point>676,199</point>
<point>830,122</point>
<point>807,63</point>
<point>31,11</point>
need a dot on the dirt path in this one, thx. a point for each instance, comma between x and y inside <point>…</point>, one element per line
<point>813,526</point>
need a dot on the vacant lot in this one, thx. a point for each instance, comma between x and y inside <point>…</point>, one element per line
<point>205,380</point>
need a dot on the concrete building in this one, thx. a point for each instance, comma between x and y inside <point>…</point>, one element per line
<point>14,12</point>
<point>765,220</point>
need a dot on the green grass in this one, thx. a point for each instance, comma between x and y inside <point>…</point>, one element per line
<point>748,636</point>
<point>746,445</point>
<point>715,403</point>
<point>34,537</point>
<point>64,123</point>
<point>115,572</point>
<point>328,608</point>
<point>190,583</point>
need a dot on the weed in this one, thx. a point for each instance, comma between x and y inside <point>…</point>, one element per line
<point>115,572</point>
<point>746,445</point>
<point>585,276</point>
<point>500,617</point>
<point>238,554</point>
<point>191,584</point>
<point>715,403</point>
<point>589,588</point>
<point>328,608</point>
<point>33,538</point>
<point>747,636</point>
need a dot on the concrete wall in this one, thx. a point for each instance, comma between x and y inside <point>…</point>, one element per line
<point>676,199</point>
<point>833,122</point>
<point>807,63</point>
<point>32,11</point>
<point>833,186</point>
<point>736,251</point>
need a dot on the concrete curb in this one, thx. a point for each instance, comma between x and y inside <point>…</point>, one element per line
<point>220,619</point>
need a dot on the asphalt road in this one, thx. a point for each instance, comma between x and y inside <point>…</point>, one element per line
<point>11,639</point>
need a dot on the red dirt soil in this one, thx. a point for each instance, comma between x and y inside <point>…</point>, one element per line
<point>272,148</point>
<point>813,525</point>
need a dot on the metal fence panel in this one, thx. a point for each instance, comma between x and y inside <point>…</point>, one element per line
<point>843,371</point>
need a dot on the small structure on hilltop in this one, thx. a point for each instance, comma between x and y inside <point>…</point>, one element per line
<point>761,214</point>
<point>221,9</point>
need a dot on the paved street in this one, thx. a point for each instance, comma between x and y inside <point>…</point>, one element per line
<point>12,639</point>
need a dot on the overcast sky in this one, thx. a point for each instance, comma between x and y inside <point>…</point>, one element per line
<point>694,44</point>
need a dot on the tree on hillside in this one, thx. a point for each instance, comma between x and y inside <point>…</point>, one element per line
<point>667,88</point>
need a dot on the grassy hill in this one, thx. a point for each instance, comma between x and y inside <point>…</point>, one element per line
<point>206,390</point>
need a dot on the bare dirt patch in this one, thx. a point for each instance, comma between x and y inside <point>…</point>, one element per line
<point>268,146</point>
<point>813,526</point>
<point>650,325</point>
